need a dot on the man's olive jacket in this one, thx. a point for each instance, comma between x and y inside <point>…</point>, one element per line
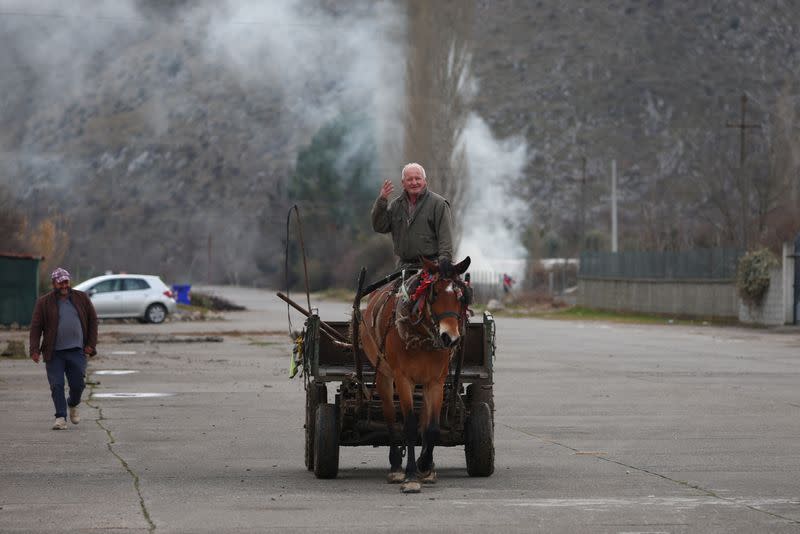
<point>426,232</point>
<point>44,324</point>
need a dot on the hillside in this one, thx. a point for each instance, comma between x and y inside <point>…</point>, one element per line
<point>651,84</point>
<point>168,133</point>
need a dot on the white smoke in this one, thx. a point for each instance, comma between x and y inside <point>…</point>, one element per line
<point>319,64</point>
<point>47,48</point>
<point>283,44</point>
<point>494,215</point>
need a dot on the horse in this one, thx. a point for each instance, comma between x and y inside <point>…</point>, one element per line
<point>409,333</point>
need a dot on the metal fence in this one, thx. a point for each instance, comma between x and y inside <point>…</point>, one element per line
<point>698,264</point>
<point>486,285</point>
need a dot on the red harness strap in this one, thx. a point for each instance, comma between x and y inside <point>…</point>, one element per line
<point>425,280</point>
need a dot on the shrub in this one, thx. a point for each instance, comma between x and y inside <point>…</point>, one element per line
<point>752,276</point>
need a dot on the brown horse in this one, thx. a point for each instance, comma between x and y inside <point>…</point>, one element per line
<point>409,333</point>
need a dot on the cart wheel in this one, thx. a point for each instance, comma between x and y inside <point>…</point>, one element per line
<point>477,393</point>
<point>315,394</point>
<point>326,442</point>
<point>479,442</point>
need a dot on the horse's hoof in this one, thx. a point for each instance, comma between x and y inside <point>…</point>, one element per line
<point>395,477</point>
<point>411,486</point>
<point>428,477</point>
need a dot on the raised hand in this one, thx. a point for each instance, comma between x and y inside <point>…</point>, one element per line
<point>387,189</point>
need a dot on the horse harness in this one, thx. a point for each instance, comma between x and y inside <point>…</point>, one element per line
<point>386,293</point>
<point>412,295</point>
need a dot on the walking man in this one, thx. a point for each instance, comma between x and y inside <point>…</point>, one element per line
<point>419,220</point>
<point>64,332</point>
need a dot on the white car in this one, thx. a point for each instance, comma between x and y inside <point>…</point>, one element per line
<point>141,296</point>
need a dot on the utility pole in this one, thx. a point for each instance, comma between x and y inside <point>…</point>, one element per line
<point>744,183</point>
<point>743,127</point>
<point>614,247</point>
<point>582,208</point>
<point>208,273</point>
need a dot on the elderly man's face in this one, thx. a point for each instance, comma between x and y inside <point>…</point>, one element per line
<point>413,181</point>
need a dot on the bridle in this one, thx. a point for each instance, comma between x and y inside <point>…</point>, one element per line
<point>463,299</point>
<point>423,301</point>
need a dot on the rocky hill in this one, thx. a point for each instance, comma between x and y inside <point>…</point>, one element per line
<point>168,133</point>
<point>649,83</point>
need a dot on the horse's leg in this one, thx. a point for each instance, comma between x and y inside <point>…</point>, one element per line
<point>385,387</point>
<point>405,390</point>
<point>433,394</point>
<point>424,421</point>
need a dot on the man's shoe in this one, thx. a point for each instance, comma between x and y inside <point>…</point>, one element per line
<point>74,416</point>
<point>60,424</point>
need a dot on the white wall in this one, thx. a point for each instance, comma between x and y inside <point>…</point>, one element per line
<point>776,307</point>
<point>789,266</point>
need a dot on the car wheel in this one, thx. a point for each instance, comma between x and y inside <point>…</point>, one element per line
<point>156,313</point>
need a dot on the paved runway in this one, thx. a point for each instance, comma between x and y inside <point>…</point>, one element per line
<point>599,428</point>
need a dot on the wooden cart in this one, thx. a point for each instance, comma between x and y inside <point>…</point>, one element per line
<point>343,408</point>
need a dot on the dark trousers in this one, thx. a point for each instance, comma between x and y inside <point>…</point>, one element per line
<point>72,363</point>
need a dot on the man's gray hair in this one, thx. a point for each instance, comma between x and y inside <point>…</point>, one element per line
<point>413,166</point>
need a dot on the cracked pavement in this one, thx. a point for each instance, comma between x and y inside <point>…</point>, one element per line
<point>599,428</point>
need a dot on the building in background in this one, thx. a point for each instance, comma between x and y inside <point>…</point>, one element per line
<point>19,287</point>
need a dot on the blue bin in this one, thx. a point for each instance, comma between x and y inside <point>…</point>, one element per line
<point>182,293</point>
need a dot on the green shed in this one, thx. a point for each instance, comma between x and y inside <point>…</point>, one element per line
<point>19,287</point>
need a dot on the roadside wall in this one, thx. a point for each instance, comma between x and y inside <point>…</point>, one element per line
<point>716,298</point>
<point>701,298</point>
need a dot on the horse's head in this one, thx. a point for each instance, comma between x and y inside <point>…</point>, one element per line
<point>448,300</point>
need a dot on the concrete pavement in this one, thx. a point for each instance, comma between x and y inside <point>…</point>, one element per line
<point>599,428</point>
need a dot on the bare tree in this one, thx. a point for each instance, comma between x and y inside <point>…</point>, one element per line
<point>743,199</point>
<point>718,191</point>
<point>786,147</point>
<point>777,195</point>
<point>438,93</point>
<point>13,223</point>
